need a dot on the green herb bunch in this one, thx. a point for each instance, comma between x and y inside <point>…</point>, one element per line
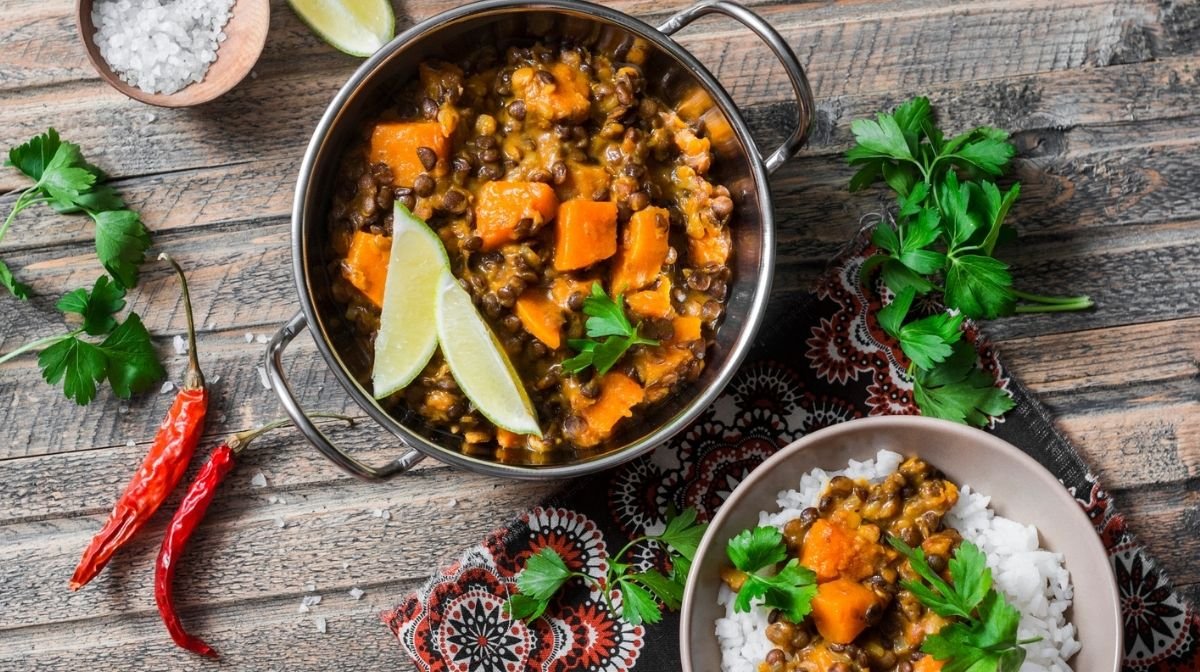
<point>607,321</point>
<point>949,217</point>
<point>125,356</point>
<point>643,593</point>
<point>790,589</point>
<point>983,636</point>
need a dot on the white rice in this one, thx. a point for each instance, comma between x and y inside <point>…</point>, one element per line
<point>1034,580</point>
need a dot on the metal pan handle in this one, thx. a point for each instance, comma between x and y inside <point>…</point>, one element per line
<point>306,426</point>
<point>804,97</point>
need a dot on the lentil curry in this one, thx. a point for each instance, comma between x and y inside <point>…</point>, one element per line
<point>543,169</point>
<point>861,619</point>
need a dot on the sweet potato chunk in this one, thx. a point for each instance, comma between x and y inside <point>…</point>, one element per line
<point>652,302</point>
<point>586,232</point>
<point>839,610</point>
<point>540,317</point>
<point>832,551</point>
<point>563,96</point>
<point>643,250</point>
<point>686,328</point>
<point>618,395</point>
<point>711,248</point>
<point>395,143</point>
<point>366,264</point>
<point>584,180</point>
<point>500,207</point>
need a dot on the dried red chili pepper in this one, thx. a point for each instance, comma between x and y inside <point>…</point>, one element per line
<point>191,511</point>
<point>163,466</point>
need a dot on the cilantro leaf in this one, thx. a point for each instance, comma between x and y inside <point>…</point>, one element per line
<point>545,572</point>
<point>14,286</point>
<point>637,604</point>
<point>791,591</point>
<point>78,364</point>
<point>32,157</point>
<point>752,550</point>
<point>97,307</point>
<point>958,391</point>
<point>132,362</point>
<point>979,286</point>
<point>881,138</point>
<point>668,591</point>
<point>683,533</point>
<point>524,607</point>
<point>606,318</point>
<point>121,244</point>
<point>66,176</point>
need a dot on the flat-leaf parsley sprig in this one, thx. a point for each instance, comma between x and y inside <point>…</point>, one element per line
<point>607,320</point>
<point>948,219</point>
<point>983,637</point>
<point>643,593</point>
<point>125,357</point>
<point>69,184</point>
<point>791,589</point>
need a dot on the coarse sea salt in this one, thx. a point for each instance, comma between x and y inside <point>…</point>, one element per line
<point>160,46</point>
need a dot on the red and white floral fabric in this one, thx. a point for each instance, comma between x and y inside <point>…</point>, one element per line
<point>825,362</point>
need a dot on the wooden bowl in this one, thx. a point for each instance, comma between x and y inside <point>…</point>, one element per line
<point>245,35</point>
<point>1020,488</point>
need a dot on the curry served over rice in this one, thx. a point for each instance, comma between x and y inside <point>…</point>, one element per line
<point>861,618</point>
<point>544,170</point>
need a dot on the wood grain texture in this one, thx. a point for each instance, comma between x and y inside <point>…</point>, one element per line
<point>1102,98</point>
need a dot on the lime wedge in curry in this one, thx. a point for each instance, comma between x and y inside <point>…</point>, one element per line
<point>479,363</point>
<point>407,335</point>
<point>357,27</point>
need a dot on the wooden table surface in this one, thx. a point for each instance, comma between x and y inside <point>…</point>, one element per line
<point>1101,94</point>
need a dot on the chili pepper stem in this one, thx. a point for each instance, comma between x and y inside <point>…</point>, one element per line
<point>193,379</point>
<point>238,442</point>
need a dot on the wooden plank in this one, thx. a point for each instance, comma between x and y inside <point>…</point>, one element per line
<point>882,51</point>
<point>266,635</point>
<point>244,555</point>
<point>1166,518</point>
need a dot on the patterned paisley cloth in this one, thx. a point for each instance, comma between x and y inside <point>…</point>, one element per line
<point>827,361</point>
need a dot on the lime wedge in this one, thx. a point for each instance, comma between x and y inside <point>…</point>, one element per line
<point>407,336</point>
<point>357,27</point>
<point>479,363</point>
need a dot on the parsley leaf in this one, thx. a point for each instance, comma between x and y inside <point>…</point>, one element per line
<point>984,639</point>
<point>14,286</point>
<point>121,244</point>
<point>78,364</point>
<point>66,182</point>
<point>791,591</point>
<point>607,320</point>
<point>927,341</point>
<point>126,357</point>
<point>751,550</point>
<point>97,307</point>
<point>545,573</point>
<point>979,286</point>
<point>959,391</point>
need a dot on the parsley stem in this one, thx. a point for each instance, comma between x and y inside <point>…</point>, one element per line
<point>1052,304</point>
<point>20,204</point>
<point>39,344</point>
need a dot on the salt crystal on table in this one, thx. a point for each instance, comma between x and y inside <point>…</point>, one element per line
<point>378,513</point>
<point>166,387</point>
<point>345,564</point>
<point>263,339</point>
<point>249,337</point>
<point>387,515</point>
<point>311,600</point>
<point>356,593</point>
<point>259,481</point>
<point>310,587</point>
<point>214,380</point>
<point>303,609</point>
<point>181,346</point>
<point>130,443</point>
<point>320,621</point>
<point>453,503</point>
<point>123,409</point>
<point>279,522</point>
